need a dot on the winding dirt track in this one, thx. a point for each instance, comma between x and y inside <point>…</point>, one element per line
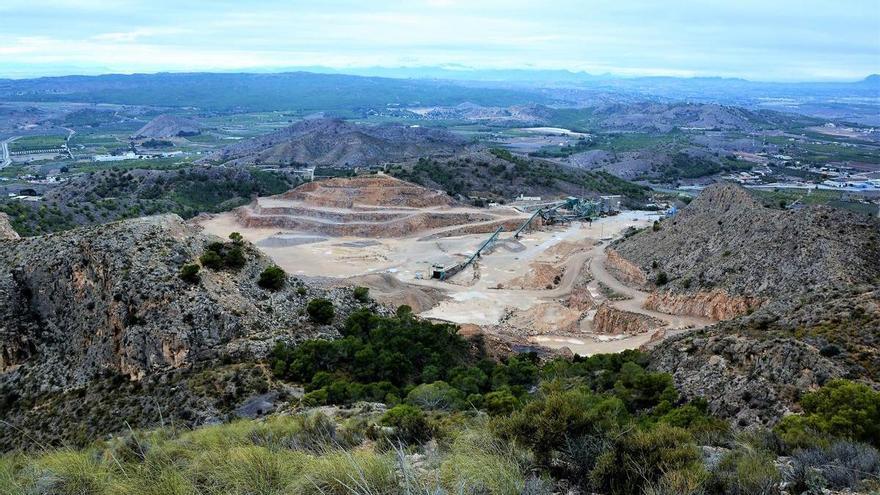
<point>637,298</point>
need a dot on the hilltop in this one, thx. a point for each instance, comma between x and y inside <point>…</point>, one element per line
<point>168,126</point>
<point>725,239</point>
<point>496,174</point>
<point>337,143</point>
<point>109,195</point>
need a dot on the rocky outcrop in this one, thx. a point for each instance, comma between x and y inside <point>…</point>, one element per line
<point>717,305</point>
<point>106,303</point>
<point>610,320</point>
<point>6,230</point>
<point>625,270</point>
<point>750,380</point>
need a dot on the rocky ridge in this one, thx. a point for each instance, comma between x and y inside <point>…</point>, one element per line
<point>726,241</point>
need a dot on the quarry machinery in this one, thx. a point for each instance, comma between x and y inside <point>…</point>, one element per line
<point>526,224</point>
<point>441,273</point>
<point>573,209</point>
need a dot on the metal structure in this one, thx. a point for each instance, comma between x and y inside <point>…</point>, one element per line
<point>526,224</point>
<point>570,210</point>
<point>439,272</point>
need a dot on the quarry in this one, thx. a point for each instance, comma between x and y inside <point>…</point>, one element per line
<point>524,275</point>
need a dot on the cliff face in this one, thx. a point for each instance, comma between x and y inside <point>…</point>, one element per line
<point>717,304</point>
<point>610,320</point>
<point>107,302</point>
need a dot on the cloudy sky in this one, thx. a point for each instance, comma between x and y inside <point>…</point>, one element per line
<point>775,40</point>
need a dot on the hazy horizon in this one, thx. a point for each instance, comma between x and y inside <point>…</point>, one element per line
<point>787,41</point>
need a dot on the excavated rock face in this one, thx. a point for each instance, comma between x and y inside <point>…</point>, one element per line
<point>716,304</point>
<point>371,206</point>
<point>610,320</point>
<point>378,190</point>
<point>107,301</point>
<point>625,270</point>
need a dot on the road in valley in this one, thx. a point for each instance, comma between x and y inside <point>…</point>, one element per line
<point>4,150</point>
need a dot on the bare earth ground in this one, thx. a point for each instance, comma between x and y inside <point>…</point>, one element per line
<point>495,294</point>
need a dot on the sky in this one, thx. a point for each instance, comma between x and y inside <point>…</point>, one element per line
<point>765,40</point>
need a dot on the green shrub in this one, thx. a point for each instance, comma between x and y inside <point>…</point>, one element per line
<point>409,423</point>
<point>642,457</point>
<point>436,396</point>
<point>362,294</point>
<point>190,273</point>
<point>236,238</point>
<point>841,408</point>
<point>235,258</point>
<point>662,278</point>
<point>272,278</point>
<point>211,259</point>
<point>745,471</point>
<point>556,417</point>
<point>500,402</point>
<point>321,311</point>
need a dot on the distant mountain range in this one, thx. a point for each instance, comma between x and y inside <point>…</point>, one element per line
<point>335,92</point>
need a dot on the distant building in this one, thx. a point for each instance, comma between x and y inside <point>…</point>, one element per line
<point>528,198</point>
<point>610,203</point>
<point>307,173</point>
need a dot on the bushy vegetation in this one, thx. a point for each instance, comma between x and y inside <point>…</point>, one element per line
<point>223,255</point>
<point>321,311</point>
<point>455,421</point>
<point>272,278</point>
<point>840,409</point>
<point>387,358</point>
<point>190,273</point>
<point>362,294</point>
<point>115,194</point>
<point>505,175</point>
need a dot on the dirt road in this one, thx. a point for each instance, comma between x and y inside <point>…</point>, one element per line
<point>636,303</point>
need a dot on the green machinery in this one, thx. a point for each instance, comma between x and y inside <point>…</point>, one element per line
<point>571,209</point>
<point>526,224</point>
<point>442,273</point>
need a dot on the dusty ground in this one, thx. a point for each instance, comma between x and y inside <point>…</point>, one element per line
<point>518,288</point>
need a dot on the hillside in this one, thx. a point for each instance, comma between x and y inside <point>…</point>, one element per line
<point>101,314</point>
<point>109,195</point>
<point>497,174</point>
<point>797,288</point>
<point>725,239</point>
<point>168,126</point>
<point>336,143</point>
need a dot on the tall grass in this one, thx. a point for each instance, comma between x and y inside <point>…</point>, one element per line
<point>281,455</point>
